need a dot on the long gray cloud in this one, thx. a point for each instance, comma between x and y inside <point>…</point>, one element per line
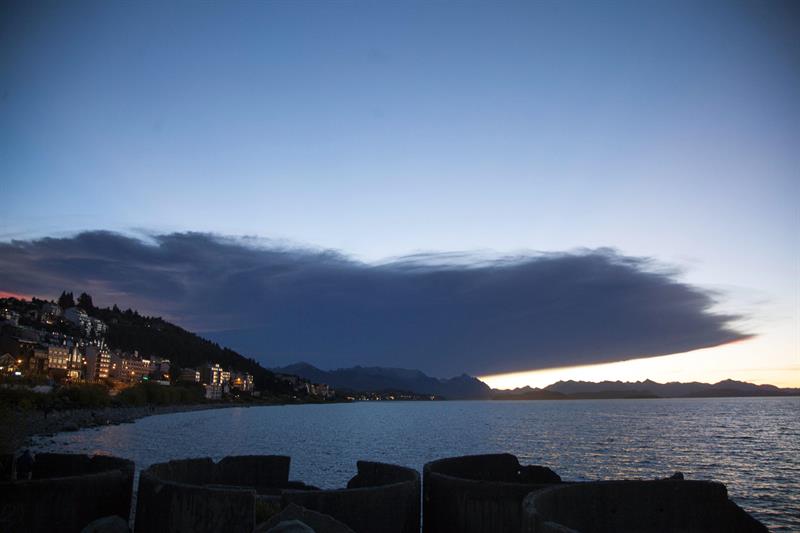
<point>441,313</point>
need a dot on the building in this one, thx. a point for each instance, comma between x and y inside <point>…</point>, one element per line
<point>212,374</point>
<point>10,316</point>
<point>78,316</point>
<point>20,350</point>
<point>133,369</point>
<point>91,327</point>
<point>158,365</point>
<point>290,379</point>
<point>37,364</point>
<point>303,386</point>
<point>243,382</point>
<point>75,366</point>
<point>213,392</point>
<point>58,357</point>
<point>129,368</point>
<point>159,369</point>
<point>189,375</point>
<point>115,364</point>
<point>318,389</point>
<point>9,365</point>
<point>50,312</point>
<point>98,363</point>
<point>98,328</point>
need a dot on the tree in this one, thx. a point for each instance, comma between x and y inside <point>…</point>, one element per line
<point>85,302</point>
<point>66,300</point>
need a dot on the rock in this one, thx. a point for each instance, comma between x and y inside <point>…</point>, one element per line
<point>291,526</point>
<point>70,426</point>
<point>676,475</point>
<point>537,474</point>
<point>317,522</point>
<point>107,524</point>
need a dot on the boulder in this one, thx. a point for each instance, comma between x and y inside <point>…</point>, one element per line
<point>107,524</point>
<point>291,526</point>
<point>537,474</point>
<point>317,522</point>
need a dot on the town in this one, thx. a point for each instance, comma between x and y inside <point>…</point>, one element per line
<point>46,344</point>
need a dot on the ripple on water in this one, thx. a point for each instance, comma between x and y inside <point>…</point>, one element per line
<point>750,444</point>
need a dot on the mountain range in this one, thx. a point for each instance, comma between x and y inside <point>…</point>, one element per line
<point>379,379</point>
<point>464,387</point>
<point>641,389</point>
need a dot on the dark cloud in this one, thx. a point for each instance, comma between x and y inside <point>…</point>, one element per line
<point>443,314</point>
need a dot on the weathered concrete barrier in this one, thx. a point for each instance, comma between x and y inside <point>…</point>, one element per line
<point>200,495</point>
<point>380,498</point>
<point>197,495</point>
<point>66,492</point>
<point>633,506</point>
<point>479,493</point>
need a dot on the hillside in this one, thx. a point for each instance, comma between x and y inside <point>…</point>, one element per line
<point>150,336</point>
<point>153,336</point>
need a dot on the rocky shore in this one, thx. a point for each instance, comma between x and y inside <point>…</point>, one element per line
<point>17,427</point>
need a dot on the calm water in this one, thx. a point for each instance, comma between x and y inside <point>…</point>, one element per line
<point>750,444</point>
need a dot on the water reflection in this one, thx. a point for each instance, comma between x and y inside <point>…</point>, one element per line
<point>751,444</point>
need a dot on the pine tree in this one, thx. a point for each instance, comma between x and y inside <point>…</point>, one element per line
<point>85,302</point>
<point>66,300</point>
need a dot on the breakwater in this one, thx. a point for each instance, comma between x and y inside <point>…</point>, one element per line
<point>631,506</point>
<point>479,493</point>
<point>242,494</point>
<point>237,493</point>
<point>65,492</point>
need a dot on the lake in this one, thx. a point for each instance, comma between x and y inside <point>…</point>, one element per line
<point>750,444</point>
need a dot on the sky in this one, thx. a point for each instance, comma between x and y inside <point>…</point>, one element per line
<point>656,140</point>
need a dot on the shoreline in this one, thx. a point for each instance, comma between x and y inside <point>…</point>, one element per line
<point>20,427</point>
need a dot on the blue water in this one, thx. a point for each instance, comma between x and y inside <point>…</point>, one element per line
<point>750,444</point>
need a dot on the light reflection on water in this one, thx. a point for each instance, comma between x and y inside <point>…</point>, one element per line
<point>750,444</point>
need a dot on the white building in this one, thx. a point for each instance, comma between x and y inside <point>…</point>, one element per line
<point>213,392</point>
<point>91,327</point>
<point>78,316</point>
<point>212,374</point>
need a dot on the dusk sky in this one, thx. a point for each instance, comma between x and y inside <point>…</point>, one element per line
<point>564,183</point>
